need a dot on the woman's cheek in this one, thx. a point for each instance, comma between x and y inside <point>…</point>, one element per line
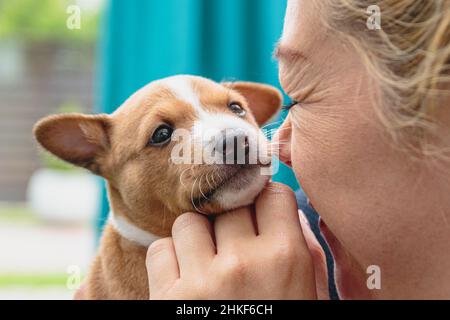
<point>341,166</point>
<point>322,175</point>
<point>317,150</point>
<point>327,159</point>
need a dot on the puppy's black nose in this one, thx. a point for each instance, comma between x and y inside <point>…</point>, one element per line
<point>235,147</point>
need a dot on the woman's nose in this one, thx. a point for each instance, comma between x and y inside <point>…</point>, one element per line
<point>282,142</point>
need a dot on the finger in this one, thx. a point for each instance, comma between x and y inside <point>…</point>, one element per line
<point>194,245</point>
<point>232,227</point>
<point>162,265</point>
<point>318,257</point>
<point>276,211</point>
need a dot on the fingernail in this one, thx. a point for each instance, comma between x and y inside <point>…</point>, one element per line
<point>303,217</point>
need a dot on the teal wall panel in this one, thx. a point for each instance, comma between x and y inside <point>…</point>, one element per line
<point>144,40</point>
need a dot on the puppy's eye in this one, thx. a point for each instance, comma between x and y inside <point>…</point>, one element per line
<point>161,135</point>
<point>237,108</point>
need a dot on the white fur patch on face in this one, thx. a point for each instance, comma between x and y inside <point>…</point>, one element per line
<point>211,124</point>
<point>181,87</point>
<point>230,198</point>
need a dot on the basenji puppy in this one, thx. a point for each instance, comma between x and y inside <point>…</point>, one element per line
<point>151,177</point>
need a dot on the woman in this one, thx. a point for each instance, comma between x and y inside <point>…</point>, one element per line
<point>368,141</point>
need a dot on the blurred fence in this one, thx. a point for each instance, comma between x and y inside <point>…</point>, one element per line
<point>44,77</point>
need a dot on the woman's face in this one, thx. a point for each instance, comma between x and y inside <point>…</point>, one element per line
<point>378,207</point>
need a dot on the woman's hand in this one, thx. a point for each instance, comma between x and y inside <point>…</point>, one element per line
<point>236,263</point>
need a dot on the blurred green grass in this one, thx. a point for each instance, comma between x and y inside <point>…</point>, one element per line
<point>9,280</point>
<point>17,213</point>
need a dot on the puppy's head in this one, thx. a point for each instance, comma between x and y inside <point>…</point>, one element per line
<point>179,144</point>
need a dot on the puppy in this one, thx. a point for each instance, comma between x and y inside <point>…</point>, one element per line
<point>151,172</point>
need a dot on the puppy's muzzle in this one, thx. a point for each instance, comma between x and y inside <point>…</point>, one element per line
<point>233,147</point>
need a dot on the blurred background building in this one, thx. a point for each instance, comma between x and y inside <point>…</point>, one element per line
<point>46,66</point>
<point>89,56</point>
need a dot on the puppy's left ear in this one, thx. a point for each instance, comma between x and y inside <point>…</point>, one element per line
<point>263,100</point>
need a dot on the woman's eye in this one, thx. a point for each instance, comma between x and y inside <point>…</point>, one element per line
<point>237,109</point>
<point>290,105</point>
<point>161,135</point>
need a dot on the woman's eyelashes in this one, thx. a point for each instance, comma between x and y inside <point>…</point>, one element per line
<point>290,105</point>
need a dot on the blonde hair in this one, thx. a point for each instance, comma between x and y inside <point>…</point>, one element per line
<point>409,57</point>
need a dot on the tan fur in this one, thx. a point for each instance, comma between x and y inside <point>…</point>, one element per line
<point>262,99</point>
<point>142,185</point>
<point>118,271</point>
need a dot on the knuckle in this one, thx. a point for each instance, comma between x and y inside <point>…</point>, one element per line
<point>234,214</point>
<point>316,253</point>
<point>278,189</point>
<point>158,246</point>
<point>239,212</point>
<point>291,259</point>
<point>185,221</point>
<point>287,253</point>
<point>234,268</point>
